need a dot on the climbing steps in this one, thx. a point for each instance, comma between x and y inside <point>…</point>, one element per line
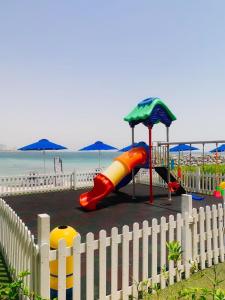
<point>4,274</point>
<point>163,172</point>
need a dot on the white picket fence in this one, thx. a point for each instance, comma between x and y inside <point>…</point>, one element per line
<point>79,179</point>
<point>17,246</point>
<point>196,182</point>
<point>202,183</point>
<point>36,183</point>
<point>110,267</point>
<point>13,185</point>
<point>115,264</point>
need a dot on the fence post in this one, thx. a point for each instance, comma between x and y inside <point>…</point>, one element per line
<point>186,233</point>
<point>44,249</point>
<point>224,212</point>
<point>74,179</point>
<point>198,180</point>
<point>186,205</point>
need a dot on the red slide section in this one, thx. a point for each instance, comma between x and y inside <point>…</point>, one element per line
<point>105,182</point>
<point>102,187</point>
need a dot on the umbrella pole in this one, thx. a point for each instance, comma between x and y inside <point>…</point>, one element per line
<point>190,156</point>
<point>99,159</point>
<point>203,157</point>
<point>133,181</point>
<point>44,161</point>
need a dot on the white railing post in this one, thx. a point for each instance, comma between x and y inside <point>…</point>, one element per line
<point>186,205</point>
<point>74,179</point>
<point>44,250</point>
<point>198,180</point>
<point>186,236</point>
<point>224,214</point>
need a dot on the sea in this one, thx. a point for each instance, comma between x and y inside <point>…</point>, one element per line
<point>25,162</point>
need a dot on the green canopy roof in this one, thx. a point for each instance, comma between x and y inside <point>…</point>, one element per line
<point>149,112</point>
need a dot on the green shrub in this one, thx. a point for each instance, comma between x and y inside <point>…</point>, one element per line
<point>17,288</point>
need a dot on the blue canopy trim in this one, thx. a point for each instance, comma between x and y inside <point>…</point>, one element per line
<point>158,115</point>
<point>147,101</point>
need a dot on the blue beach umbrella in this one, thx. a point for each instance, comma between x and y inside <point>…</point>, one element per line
<point>183,147</point>
<point>42,145</point>
<point>98,146</point>
<point>139,144</point>
<point>221,148</point>
<point>127,148</point>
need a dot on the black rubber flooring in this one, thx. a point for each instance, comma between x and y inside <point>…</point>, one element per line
<point>117,209</point>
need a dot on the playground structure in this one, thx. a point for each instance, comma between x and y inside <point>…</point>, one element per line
<point>148,112</point>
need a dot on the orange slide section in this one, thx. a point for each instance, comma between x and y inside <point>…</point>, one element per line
<point>105,182</point>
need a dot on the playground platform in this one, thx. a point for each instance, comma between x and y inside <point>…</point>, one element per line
<point>117,209</point>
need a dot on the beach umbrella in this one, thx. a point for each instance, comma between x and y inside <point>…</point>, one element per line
<point>127,148</point>
<point>139,144</point>
<point>221,148</point>
<point>183,147</point>
<point>42,145</point>
<point>98,146</point>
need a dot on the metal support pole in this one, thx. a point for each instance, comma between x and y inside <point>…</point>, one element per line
<point>190,156</point>
<point>217,166</point>
<point>203,156</point>
<point>151,199</point>
<point>133,180</point>
<point>44,161</point>
<point>168,161</point>
<point>99,164</point>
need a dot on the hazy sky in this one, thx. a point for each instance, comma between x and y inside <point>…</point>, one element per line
<point>71,70</point>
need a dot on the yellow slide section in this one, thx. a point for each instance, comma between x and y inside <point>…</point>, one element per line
<point>115,172</point>
<point>124,164</point>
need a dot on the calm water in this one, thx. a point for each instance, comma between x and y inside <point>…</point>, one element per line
<point>24,162</point>
<point>19,162</point>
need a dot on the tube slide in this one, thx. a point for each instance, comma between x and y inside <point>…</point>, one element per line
<point>106,182</point>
